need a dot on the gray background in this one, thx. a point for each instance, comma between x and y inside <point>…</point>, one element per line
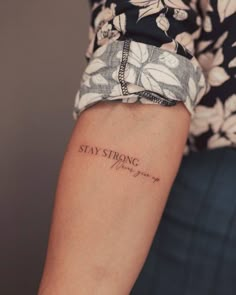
<point>42,47</point>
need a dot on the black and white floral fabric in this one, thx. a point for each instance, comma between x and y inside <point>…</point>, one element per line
<point>163,52</point>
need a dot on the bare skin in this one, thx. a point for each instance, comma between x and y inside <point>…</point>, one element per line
<point>118,169</point>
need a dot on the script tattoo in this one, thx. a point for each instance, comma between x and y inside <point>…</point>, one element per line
<point>122,161</point>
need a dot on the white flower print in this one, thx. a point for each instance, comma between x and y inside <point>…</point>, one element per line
<point>169,3</point>
<point>87,99</point>
<point>229,127</point>
<point>169,59</point>
<point>217,76</point>
<point>211,65</point>
<point>91,73</point>
<point>100,51</point>
<point>95,65</point>
<point>130,76</point>
<point>176,4</point>
<point>180,14</point>
<point>99,80</point>
<point>119,22</point>
<point>151,9</point>
<point>160,73</point>
<point>151,74</point>
<point>203,44</point>
<point>226,8</point>
<point>106,33</point>
<point>192,89</point>
<point>198,21</point>
<point>217,141</point>
<point>230,105</point>
<point>116,91</point>
<point>105,15</point>
<point>170,94</point>
<point>143,3</point>
<point>232,63</point>
<point>186,40</point>
<point>202,85</point>
<point>170,46</point>
<point>199,30</point>
<point>226,134</point>
<point>138,54</point>
<point>207,24</point>
<point>134,88</point>
<point>200,120</point>
<point>220,118</point>
<point>221,40</point>
<point>148,79</point>
<point>162,22</point>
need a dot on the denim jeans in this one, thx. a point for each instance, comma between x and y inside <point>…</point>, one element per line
<point>194,249</point>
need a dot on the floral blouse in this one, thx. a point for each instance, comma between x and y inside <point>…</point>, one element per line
<point>164,52</point>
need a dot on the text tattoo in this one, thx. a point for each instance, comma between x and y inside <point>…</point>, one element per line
<point>122,161</point>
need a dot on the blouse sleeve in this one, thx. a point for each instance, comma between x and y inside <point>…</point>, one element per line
<point>142,51</point>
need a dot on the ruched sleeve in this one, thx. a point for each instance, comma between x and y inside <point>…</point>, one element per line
<point>142,51</point>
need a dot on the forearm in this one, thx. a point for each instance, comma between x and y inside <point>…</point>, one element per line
<point>106,214</point>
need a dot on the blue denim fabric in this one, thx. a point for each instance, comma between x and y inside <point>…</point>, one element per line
<point>194,250</point>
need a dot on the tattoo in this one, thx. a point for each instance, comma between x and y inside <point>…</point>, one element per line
<point>122,161</point>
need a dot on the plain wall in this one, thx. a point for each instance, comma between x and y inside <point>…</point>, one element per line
<point>42,56</point>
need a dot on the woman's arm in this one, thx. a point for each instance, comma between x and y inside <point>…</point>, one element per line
<point>106,214</point>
